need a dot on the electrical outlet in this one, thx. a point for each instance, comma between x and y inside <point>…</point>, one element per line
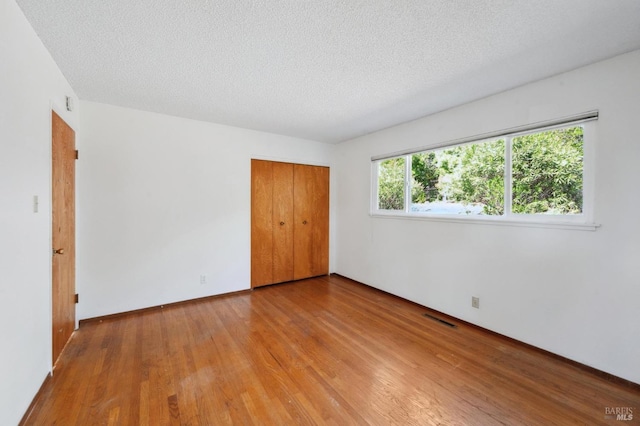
<point>203,279</point>
<point>475,302</point>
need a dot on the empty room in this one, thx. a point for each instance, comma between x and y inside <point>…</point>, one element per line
<point>319,212</point>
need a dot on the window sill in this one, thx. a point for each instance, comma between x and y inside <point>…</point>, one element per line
<point>496,221</point>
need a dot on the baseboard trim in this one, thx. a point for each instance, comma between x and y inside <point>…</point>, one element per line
<point>586,368</point>
<point>35,400</point>
<point>158,307</point>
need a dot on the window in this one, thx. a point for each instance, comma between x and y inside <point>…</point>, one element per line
<point>532,175</point>
<point>462,180</point>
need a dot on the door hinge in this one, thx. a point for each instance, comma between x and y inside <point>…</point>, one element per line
<point>76,298</point>
<point>77,154</point>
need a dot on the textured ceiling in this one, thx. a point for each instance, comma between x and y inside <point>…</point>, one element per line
<point>327,70</point>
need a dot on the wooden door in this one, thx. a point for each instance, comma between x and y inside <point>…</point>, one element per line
<point>289,222</point>
<point>261,223</point>
<point>282,222</point>
<point>63,238</point>
<point>311,221</point>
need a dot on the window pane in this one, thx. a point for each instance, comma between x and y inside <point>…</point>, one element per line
<point>424,174</point>
<point>547,172</point>
<point>391,184</point>
<point>465,180</point>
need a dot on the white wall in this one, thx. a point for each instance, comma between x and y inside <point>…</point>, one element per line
<point>164,200</point>
<point>574,293</point>
<point>31,84</point>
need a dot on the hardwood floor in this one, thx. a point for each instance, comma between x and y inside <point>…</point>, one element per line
<point>320,351</point>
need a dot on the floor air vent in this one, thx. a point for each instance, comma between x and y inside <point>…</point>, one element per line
<point>441,321</point>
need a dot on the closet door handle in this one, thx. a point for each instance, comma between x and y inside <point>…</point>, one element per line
<point>281,223</point>
<point>304,222</point>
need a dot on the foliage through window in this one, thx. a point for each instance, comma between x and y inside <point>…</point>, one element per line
<point>547,172</point>
<point>391,184</point>
<point>535,173</point>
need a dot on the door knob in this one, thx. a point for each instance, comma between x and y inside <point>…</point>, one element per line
<point>281,223</point>
<point>58,251</point>
<point>304,222</point>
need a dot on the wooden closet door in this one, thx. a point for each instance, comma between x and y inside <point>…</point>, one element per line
<point>261,223</point>
<point>282,222</point>
<point>311,221</point>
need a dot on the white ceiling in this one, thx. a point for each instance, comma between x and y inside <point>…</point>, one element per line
<point>327,70</point>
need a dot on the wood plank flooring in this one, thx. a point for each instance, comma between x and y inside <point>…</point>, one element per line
<point>320,351</point>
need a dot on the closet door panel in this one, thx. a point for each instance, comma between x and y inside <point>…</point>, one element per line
<point>311,221</point>
<point>261,223</point>
<point>282,222</point>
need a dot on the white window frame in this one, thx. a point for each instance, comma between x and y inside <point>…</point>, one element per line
<point>583,221</point>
